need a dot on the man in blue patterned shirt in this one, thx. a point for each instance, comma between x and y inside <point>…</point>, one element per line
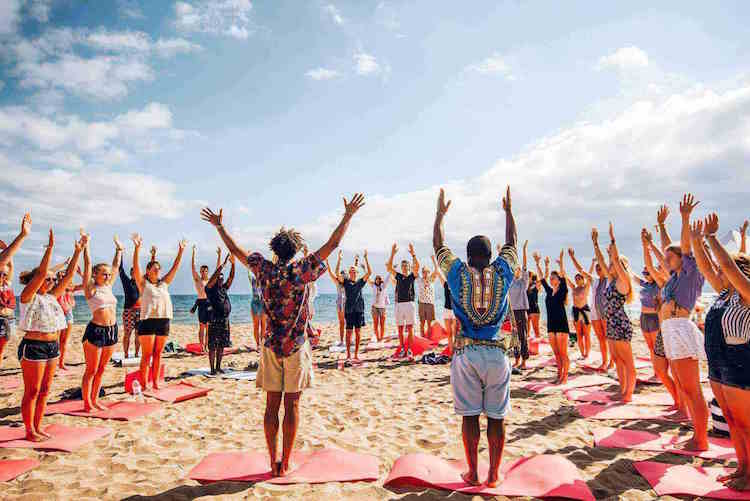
<point>480,370</point>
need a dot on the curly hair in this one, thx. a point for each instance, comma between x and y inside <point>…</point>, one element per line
<point>286,243</point>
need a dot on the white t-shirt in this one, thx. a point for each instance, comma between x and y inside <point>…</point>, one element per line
<point>380,299</point>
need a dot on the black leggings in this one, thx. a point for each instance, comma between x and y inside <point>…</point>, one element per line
<point>523,334</point>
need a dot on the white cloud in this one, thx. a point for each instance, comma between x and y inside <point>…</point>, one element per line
<point>624,59</point>
<point>225,17</point>
<point>74,198</point>
<point>322,74</point>
<point>493,65</point>
<point>119,41</point>
<point>129,9</point>
<point>332,11</point>
<point>618,169</point>
<point>168,47</point>
<point>386,16</point>
<point>366,64</point>
<point>40,9</point>
<point>10,15</point>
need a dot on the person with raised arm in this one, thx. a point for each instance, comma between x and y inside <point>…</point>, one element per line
<point>532,293</point>
<point>41,318</point>
<point>286,367</point>
<point>338,277</point>
<point>380,303</point>
<point>218,332</point>
<point>581,289</point>
<point>355,307</point>
<point>258,310</point>
<point>519,304</point>
<point>727,340</point>
<point>619,329</point>
<point>556,289</point>
<point>7,296</point>
<point>405,311</point>
<point>651,284</point>
<point>426,298</point>
<point>131,309</point>
<point>480,370</point>
<point>100,337</point>
<point>449,318</point>
<point>8,251</point>
<point>683,341</point>
<point>743,236</point>
<point>156,309</point>
<point>200,279</point>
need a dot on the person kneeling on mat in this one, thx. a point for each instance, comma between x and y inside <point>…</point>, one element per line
<point>217,293</point>
<point>480,370</point>
<point>286,367</point>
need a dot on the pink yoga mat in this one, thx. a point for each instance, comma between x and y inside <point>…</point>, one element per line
<point>688,480</point>
<point>10,382</point>
<point>119,411</point>
<point>537,363</point>
<point>327,465</point>
<point>626,412</point>
<point>573,382</point>
<point>437,333</point>
<point>12,468</point>
<point>64,438</point>
<point>196,349</point>
<point>606,397</point>
<point>538,476</point>
<point>718,448</point>
<point>177,392</point>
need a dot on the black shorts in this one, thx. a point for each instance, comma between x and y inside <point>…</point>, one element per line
<point>219,334</point>
<point>355,319</point>
<point>204,311</point>
<point>153,327</point>
<point>100,335</point>
<point>6,327</point>
<point>581,313</point>
<point>38,351</point>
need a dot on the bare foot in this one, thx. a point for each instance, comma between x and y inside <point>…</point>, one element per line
<point>87,407</point>
<point>285,469</point>
<point>493,480</point>
<point>627,398</point>
<point>731,476</point>
<point>470,477</point>
<point>739,484</point>
<point>601,368</point>
<point>99,406</point>
<point>693,445</point>
<point>275,466</point>
<point>36,437</point>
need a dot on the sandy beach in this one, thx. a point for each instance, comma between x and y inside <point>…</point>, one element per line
<point>382,408</point>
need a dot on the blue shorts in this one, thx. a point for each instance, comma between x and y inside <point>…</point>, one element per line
<point>480,380</point>
<point>256,307</point>
<point>69,317</point>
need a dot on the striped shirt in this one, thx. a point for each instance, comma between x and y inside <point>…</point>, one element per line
<point>735,322</point>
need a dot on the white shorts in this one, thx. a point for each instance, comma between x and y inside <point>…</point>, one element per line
<point>682,339</point>
<point>448,315</point>
<point>405,314</point>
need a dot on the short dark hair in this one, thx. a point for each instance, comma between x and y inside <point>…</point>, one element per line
<point>479,248</point>
<point>286,243</point>
<point>204,267</point>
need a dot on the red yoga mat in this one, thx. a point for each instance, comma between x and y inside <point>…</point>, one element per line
<point>606,397</point>
<point>327,465</point>
<point>718,448</point>
<point>12,468</point>
<point>419,345</point>
<point>132,376</point>
<point>688,480</point>
<point>437,333</point>
<point>177,392</point>
<point>64,438</point>
<point>118,411</point>
<point>626,412</point>
<point>573,382</point>
<point>538,476</point>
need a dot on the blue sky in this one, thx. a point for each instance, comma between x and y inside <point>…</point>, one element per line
<point>130,116</point>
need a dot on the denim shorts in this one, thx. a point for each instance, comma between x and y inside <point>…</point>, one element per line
<point>480,380</point>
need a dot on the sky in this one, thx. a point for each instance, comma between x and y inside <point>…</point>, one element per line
<point>129,116</point>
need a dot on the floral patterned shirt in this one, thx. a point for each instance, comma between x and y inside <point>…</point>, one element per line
<point>285,299</point>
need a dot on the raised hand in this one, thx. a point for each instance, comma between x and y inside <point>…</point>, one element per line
<point>696,229</point>
<point>594,235</point>
<point>506,199</point>
<point>536,257</point>
<point>118,244</point>
<point>743,228</point>
<point>394,249</point>
<point>84,238</point>
<point>211,217</point>
<point>611,231</point>
<point>442,205</point>
<point>51,240</point>
<point>218,251</point>
<point>365,254</point>
<point>79,245</point>
<point>525,244</point>
<point>341,253</point>
<point>662,214</point>
<point>645,236</point>
<point>182,244</point>
<point>712,224</point>
<point>153,251</point>
<point>546,260</point>
<point>571,252</point>
<point>559,260</point>
<point>350,208</point>
<point>137,240</point>
<point>411,249</point>
<point>26,224</point>
<point>687,205</point>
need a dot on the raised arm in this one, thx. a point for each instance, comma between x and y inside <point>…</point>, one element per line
<point>623,278</point>
<point>537,259</point>
<point>435,271</point>
<point>215,276</point>
<point>216,221</point>
<point>176,263</point>
<point>702,260</point>
<point>414,261</point>
<point>510,223</point>
<point>350,208</point>
<point>730,269</point>
<point>438,233</point>
<point>389,264</point>
<point>230,280</point>
<point>598,253</point>
<point>41,272</point>
<point>525,261</point>
<point>137,275</point>
<point>87,272</point>
<point>546,268</point>
<point>687,205</point>
<point>368,271</point>
<point>116,261</point>
<point>70,272</point>
<point>7,253</point>
<point>646,244</point>
<point>743,236</point>
<point>218,256</point>
<point>196,277</point>
<point>579,268</point>
<point>661,220</point>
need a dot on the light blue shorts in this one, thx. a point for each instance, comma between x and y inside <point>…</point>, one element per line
<point>480,379</point>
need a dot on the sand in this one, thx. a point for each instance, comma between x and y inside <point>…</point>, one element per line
<point>383,408</point>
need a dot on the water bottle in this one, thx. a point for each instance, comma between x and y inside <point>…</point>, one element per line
<point>137,391</point>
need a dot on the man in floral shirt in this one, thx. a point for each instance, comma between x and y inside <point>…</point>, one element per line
<point>286,367</point>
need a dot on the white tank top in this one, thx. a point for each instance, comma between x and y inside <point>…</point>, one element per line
<point>102,297</point>
<point>155,301</point>
<point>42,314</point>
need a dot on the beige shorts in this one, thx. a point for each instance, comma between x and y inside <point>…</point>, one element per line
<point>290,374</point>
